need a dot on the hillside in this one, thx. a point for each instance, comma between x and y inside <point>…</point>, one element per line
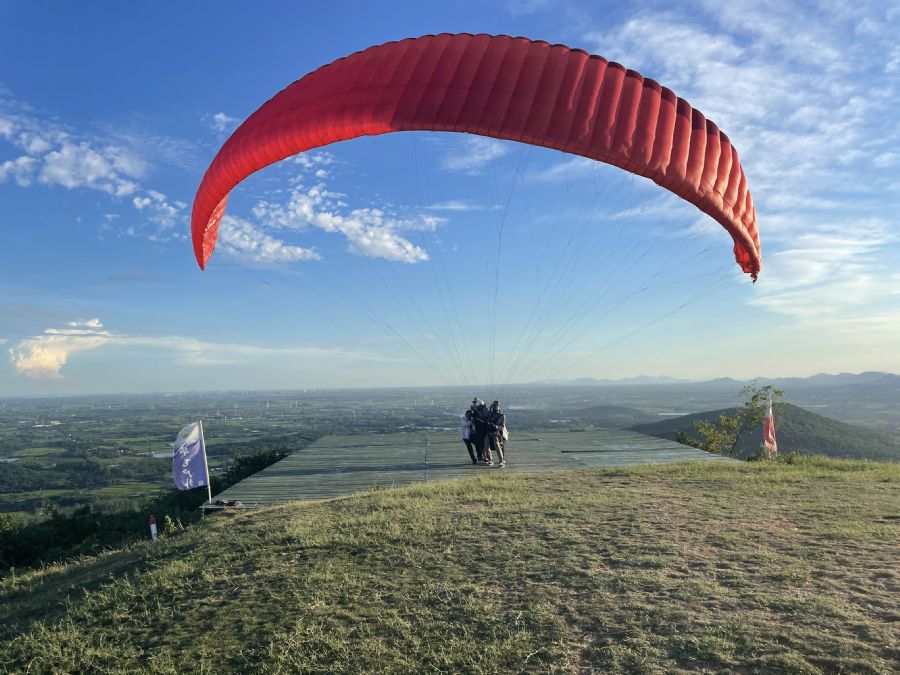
<point>797,429</point>
<point>688,567</point>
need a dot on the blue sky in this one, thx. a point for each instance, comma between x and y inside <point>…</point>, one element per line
<point>424,258</point>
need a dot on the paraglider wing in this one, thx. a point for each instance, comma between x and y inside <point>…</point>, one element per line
<point>510,88</point>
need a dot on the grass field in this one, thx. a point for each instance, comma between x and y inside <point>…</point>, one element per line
<point>39,452</point>
<point>682,567</point>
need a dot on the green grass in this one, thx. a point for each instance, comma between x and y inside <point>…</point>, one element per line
<point>130,489</point>
<point>14,497</point>
<point>39,452</point>
<point>686,567</point>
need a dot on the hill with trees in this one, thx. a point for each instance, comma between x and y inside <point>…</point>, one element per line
<point>797,430</point>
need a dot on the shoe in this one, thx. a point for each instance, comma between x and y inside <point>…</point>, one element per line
<point>502,464</point>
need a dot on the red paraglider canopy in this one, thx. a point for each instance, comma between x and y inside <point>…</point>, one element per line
<point>493,85</point>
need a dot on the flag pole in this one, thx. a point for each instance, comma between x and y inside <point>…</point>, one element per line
<point>205,462</point>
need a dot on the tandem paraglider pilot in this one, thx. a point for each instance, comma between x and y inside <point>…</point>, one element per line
<point>484,432</point>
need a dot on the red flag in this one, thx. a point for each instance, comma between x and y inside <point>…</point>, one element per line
<point>769,431</point>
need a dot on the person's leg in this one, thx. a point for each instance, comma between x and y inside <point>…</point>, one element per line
<point>471,448</point>
<point>497,445</point>
<point>486,444</point>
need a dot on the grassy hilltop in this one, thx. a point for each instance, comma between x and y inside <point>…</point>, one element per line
<point>693,566</point>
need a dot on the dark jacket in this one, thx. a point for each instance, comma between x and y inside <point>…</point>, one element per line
<point>480,421</point>
<point>496,422</point>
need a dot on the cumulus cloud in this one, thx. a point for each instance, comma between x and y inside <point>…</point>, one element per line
<point>76,165</point>
<point>55,155</point>
<point>369,232</point>
<point>44,356</point>
<point>314,159</point>
<point>159,209</point>
<point>315,163</point>
<point>6,126</point>
<point>21,170</point>
<point>241,240</point>
<point>221,122</point>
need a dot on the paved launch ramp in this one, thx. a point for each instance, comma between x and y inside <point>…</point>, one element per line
<point>341,465</point>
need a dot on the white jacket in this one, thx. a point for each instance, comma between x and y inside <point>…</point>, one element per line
<point>465,428</point>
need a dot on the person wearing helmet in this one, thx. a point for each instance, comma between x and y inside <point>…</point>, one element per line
<point>496,424</point>
<point>479,424</point>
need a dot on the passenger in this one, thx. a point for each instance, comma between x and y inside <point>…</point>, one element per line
<point>465,426</point>
<point>480,422</point>
<point>496,424</point>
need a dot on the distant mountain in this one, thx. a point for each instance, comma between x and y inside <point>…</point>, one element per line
<point>839,380</point>
<point>880,380</point>
<point>796,429</point>
<point>640,379</point>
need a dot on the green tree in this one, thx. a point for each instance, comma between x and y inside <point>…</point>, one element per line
<point>723,435</point>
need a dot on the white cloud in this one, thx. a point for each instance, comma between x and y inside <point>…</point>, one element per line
<point>370,232</point>
<point>85,323</point>
<point>160,211</point>
<point>20,170</point>
<point>57,156</point>
<point>314,159</point>
<point>886,159</point>
<point>7,126</point>
<point>316,163</point>
<point>893,64</point>
<point>794,93</point>
<point>221,122</point>
<point>153,147</point>
<point>454,205</point>
<point>565,170</point>
<point>241,240</point>
<point>34,144</point>
<point>76,165</point>
<point>472,153</point>
<point>823,272</point>
<point>44,356</point>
